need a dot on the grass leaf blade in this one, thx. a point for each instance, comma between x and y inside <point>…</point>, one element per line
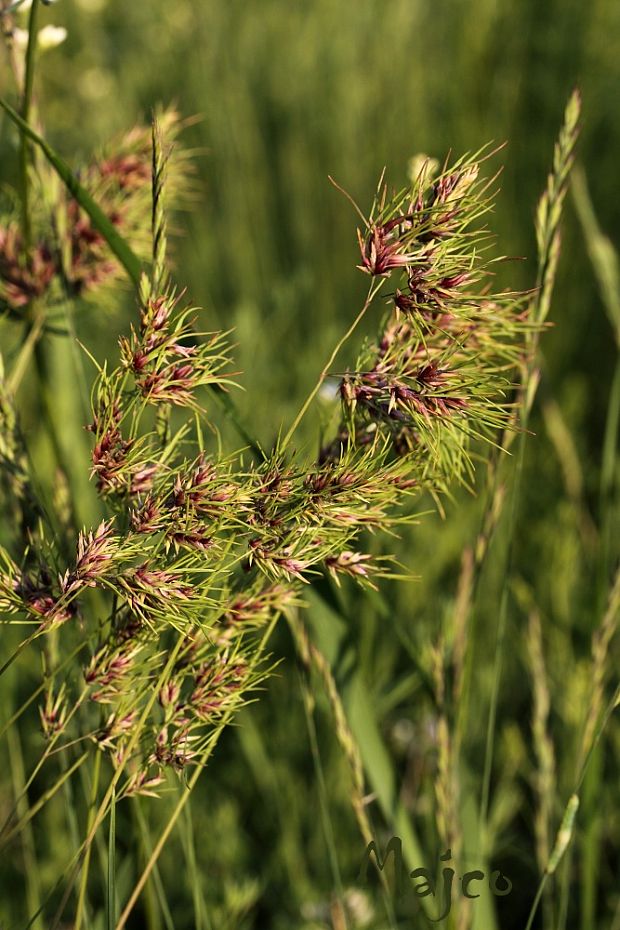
<point>126,256</point>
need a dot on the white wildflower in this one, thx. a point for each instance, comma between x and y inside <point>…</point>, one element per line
<point>51,36</point>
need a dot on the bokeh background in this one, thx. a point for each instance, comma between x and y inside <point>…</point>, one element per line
<point>286,93</point>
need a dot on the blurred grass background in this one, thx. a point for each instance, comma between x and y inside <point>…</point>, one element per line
<point>288,92</point>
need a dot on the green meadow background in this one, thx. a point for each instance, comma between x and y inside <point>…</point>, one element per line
<point>286,93</point>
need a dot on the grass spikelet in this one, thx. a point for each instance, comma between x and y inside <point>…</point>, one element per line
<point>549,211</point>
<point>158,222</point>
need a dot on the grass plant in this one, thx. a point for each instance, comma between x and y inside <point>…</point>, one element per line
<point>203,590</point>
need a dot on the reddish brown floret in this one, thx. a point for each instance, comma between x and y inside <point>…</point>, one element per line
<point>383,249</point>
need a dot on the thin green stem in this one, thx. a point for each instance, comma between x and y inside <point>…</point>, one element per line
<point>31,337</point>
<point>186,794</point>
<point>501,632</point>
<point>328,832</point>
<point>536,902</point>
<point>81,905</point>
<point>47,796</point>
<point>150,904</point>
<point>194,875</point>
<point>19,650</point>
<point>45,755</point>
<point>32,877</point>
<point>24,707</point>
<point>107,799</point>
<point>372,293</point>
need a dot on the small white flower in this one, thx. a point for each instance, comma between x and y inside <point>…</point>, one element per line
<point>51,36</point>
